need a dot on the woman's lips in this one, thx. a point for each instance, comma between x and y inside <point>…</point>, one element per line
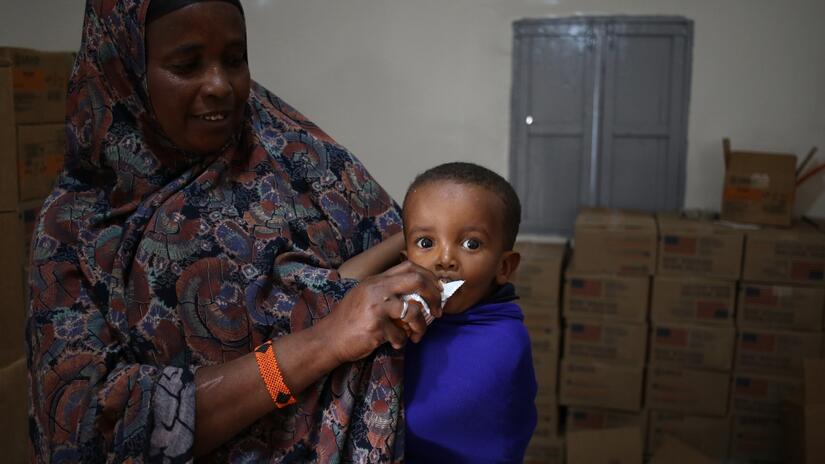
<point>214,116</point>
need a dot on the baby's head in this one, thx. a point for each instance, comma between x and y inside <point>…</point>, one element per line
<point>460,222</point>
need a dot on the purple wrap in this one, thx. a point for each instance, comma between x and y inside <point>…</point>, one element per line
<point>470,388</point>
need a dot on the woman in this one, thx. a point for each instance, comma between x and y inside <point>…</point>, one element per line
<point>197,218</point>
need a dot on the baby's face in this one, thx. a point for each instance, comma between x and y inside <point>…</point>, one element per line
<point>456,231</point>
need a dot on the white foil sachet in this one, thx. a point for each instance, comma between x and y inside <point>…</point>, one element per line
<point>447,290</point>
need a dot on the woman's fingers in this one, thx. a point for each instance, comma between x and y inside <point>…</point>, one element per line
<point>395,334</point>
<point>414,321</point>
<point>407,278</point>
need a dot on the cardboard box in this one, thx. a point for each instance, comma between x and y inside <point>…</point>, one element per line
<point>693,300</point>
<point>605,341</point>
<point>804,418</point>
<point>780,306</point>
<point>541,451</point>
<point>547,423</point>
<point>776,352</point>
<point>710,435</point>
<point>615,242</point>
<point>27,215</point>
<point>546,368</point>
<point>601,295</point>
<point>794,256</point>
<point>614,446</point>
<point>756,439</point>
<point>545,345</point>
<point>803,425</point>
<point>544,339</point>
<point>14,405</point>
<point>598,385</point>
<point>698,247</point>
<point>814,378</point>
<point>692,346</point>
<point>13,316</point>
<point>40,153</point>
<point>33,88</point>
<point>691,391</point>
<point>672,450</point>
<point>538,275</point>
<point>759,188</point>
<point>595,418</point>
<point>760,394</point>
<point>539,314</point>
<point>8,142</point>
<point>40,83</point>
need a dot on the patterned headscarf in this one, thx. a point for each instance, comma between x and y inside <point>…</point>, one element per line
<point>149,262</point>
<point>160,8</point>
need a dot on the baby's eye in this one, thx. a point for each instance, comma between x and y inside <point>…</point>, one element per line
<point>471,244</point>
<point>424,242</point>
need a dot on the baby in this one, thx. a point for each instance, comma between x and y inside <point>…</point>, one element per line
<point>469,385</point>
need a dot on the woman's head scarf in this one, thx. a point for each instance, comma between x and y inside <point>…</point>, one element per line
<point>149,262</point>
<point>160,8</point>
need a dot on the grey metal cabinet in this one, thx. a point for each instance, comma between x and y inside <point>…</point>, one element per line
<point>599,115</point>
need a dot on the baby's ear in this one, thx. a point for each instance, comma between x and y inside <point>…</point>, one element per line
<point>509,263</point>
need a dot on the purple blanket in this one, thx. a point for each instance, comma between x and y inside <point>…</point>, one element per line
<point>470,388</point>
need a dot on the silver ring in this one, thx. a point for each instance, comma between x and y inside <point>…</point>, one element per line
<point>404,309</point>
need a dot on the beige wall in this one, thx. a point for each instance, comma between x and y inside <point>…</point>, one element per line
<point>406,84</point>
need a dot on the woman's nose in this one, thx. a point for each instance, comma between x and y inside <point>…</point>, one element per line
<point>216,82</point>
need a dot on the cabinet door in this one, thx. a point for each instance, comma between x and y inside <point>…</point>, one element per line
<point>643,132</point>
<point>552,161</point>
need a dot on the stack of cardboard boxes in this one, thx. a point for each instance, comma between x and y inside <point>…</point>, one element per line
<point>780,320</point>
<point>683,333</point>
<point>538,281</point>
<point>605,309</point>
<point>33,88</point>
<point>693,334</point>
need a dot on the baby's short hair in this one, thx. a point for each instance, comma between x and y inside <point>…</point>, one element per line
<point>473,174</point>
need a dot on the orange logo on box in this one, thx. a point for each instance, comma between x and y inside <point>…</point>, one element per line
<point>743,194</point>
<point>29,81</point>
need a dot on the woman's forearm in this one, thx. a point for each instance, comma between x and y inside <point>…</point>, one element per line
<point>232,396</point>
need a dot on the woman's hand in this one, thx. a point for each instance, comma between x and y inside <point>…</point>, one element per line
<point>231,396</point>
<point>370,314</point>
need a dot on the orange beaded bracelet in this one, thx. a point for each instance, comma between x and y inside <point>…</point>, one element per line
<point>271,375</point>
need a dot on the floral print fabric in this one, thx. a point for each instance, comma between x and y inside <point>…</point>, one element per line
<point>149,263</point>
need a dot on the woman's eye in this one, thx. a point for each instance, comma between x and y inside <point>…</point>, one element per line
<point>471,244</point>
<point>236,61</point>
<point>424,242</point>
<point>184,67</point>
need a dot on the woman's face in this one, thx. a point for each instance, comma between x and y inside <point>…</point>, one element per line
<point>198,74</point>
